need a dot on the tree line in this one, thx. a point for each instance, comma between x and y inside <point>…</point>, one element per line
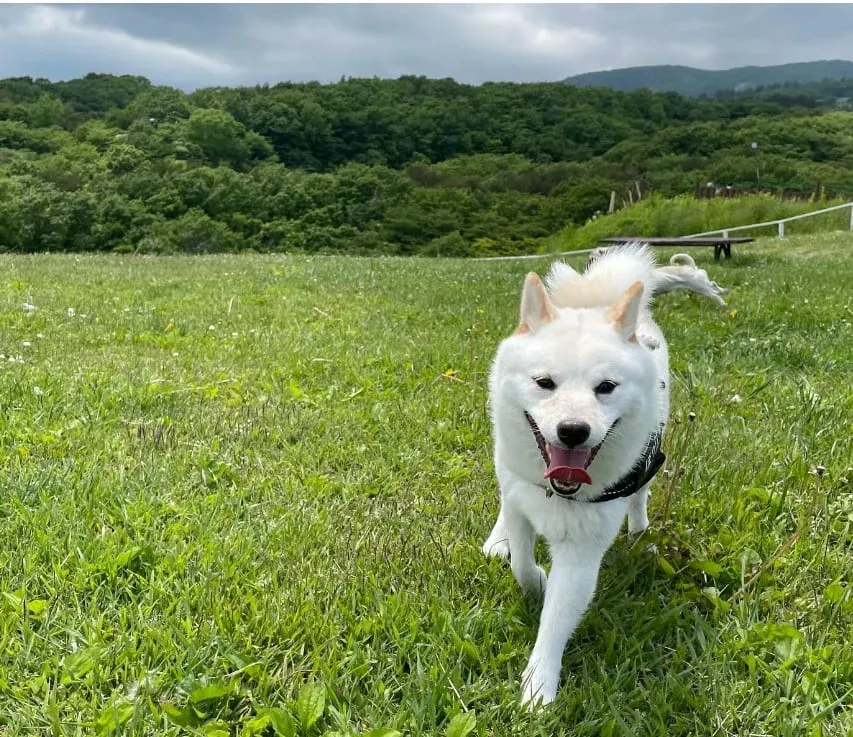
<point>405,166</point>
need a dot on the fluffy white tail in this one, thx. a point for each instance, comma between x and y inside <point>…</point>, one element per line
<point>605,280</point>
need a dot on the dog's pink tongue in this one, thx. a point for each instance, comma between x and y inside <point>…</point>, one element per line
<point>568,466</point>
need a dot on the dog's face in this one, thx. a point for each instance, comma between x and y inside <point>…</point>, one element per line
<point>580,375</point>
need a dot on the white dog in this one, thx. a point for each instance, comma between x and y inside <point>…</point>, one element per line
<point>579,397</point>
<point>682,273</point>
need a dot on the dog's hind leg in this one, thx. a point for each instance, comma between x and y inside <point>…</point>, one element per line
<point>638,516</point>
<point>522,537</point>
<point>497,543</point>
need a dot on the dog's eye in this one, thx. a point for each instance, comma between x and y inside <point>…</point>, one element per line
<point>606,387</point>
<point>545,382</point>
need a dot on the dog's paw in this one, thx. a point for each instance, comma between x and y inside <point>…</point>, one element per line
<point>496,548</point>
<point>538,688</point>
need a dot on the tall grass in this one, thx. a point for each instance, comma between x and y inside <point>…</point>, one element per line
<point>683,215</point>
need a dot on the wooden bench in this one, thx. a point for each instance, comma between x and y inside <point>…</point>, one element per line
<point>721,245</point>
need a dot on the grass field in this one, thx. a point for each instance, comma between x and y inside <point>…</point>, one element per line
<point>246,495</point>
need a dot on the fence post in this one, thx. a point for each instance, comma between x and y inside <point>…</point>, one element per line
<point>851,217</point>
<point>725,234</point>
<point>781,230</point>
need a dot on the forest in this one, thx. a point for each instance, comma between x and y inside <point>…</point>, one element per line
<point>405,166</point>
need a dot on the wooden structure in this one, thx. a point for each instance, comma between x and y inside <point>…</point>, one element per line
<point>721,245</point>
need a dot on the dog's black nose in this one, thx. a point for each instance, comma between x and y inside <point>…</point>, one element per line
<point>573,434</point>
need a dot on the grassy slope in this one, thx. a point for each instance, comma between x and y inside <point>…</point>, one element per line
<point>224,477</point>
<point>684,215</point>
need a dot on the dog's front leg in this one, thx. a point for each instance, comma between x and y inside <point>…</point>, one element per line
<point>571,585</point>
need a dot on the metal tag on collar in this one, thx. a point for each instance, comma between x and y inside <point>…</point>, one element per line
<point>550,490</point>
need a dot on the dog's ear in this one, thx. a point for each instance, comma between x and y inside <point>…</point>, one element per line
<point>536,306</point>
<point>624,313</point>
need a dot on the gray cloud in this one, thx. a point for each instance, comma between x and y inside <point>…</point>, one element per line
<point>201,45</point>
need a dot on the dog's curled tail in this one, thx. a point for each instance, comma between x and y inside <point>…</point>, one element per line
<point>682,259</point>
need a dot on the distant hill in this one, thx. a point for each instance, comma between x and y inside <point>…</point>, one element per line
<point>696,82</point>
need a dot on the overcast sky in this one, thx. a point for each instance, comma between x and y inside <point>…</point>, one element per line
<point>190,46</point>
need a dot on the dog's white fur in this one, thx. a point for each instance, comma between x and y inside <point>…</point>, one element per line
<point>584,329</point>
<point>681,274</point>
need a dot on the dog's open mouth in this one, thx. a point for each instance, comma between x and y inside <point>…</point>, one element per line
<point>567,468</point>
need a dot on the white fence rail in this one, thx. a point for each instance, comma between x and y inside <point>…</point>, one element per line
<point>724,232</point>
<point>780,224</point>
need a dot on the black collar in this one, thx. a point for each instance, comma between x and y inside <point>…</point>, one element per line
<point>643,471</point>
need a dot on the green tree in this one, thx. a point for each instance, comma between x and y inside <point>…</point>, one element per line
<point>222,140</point>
